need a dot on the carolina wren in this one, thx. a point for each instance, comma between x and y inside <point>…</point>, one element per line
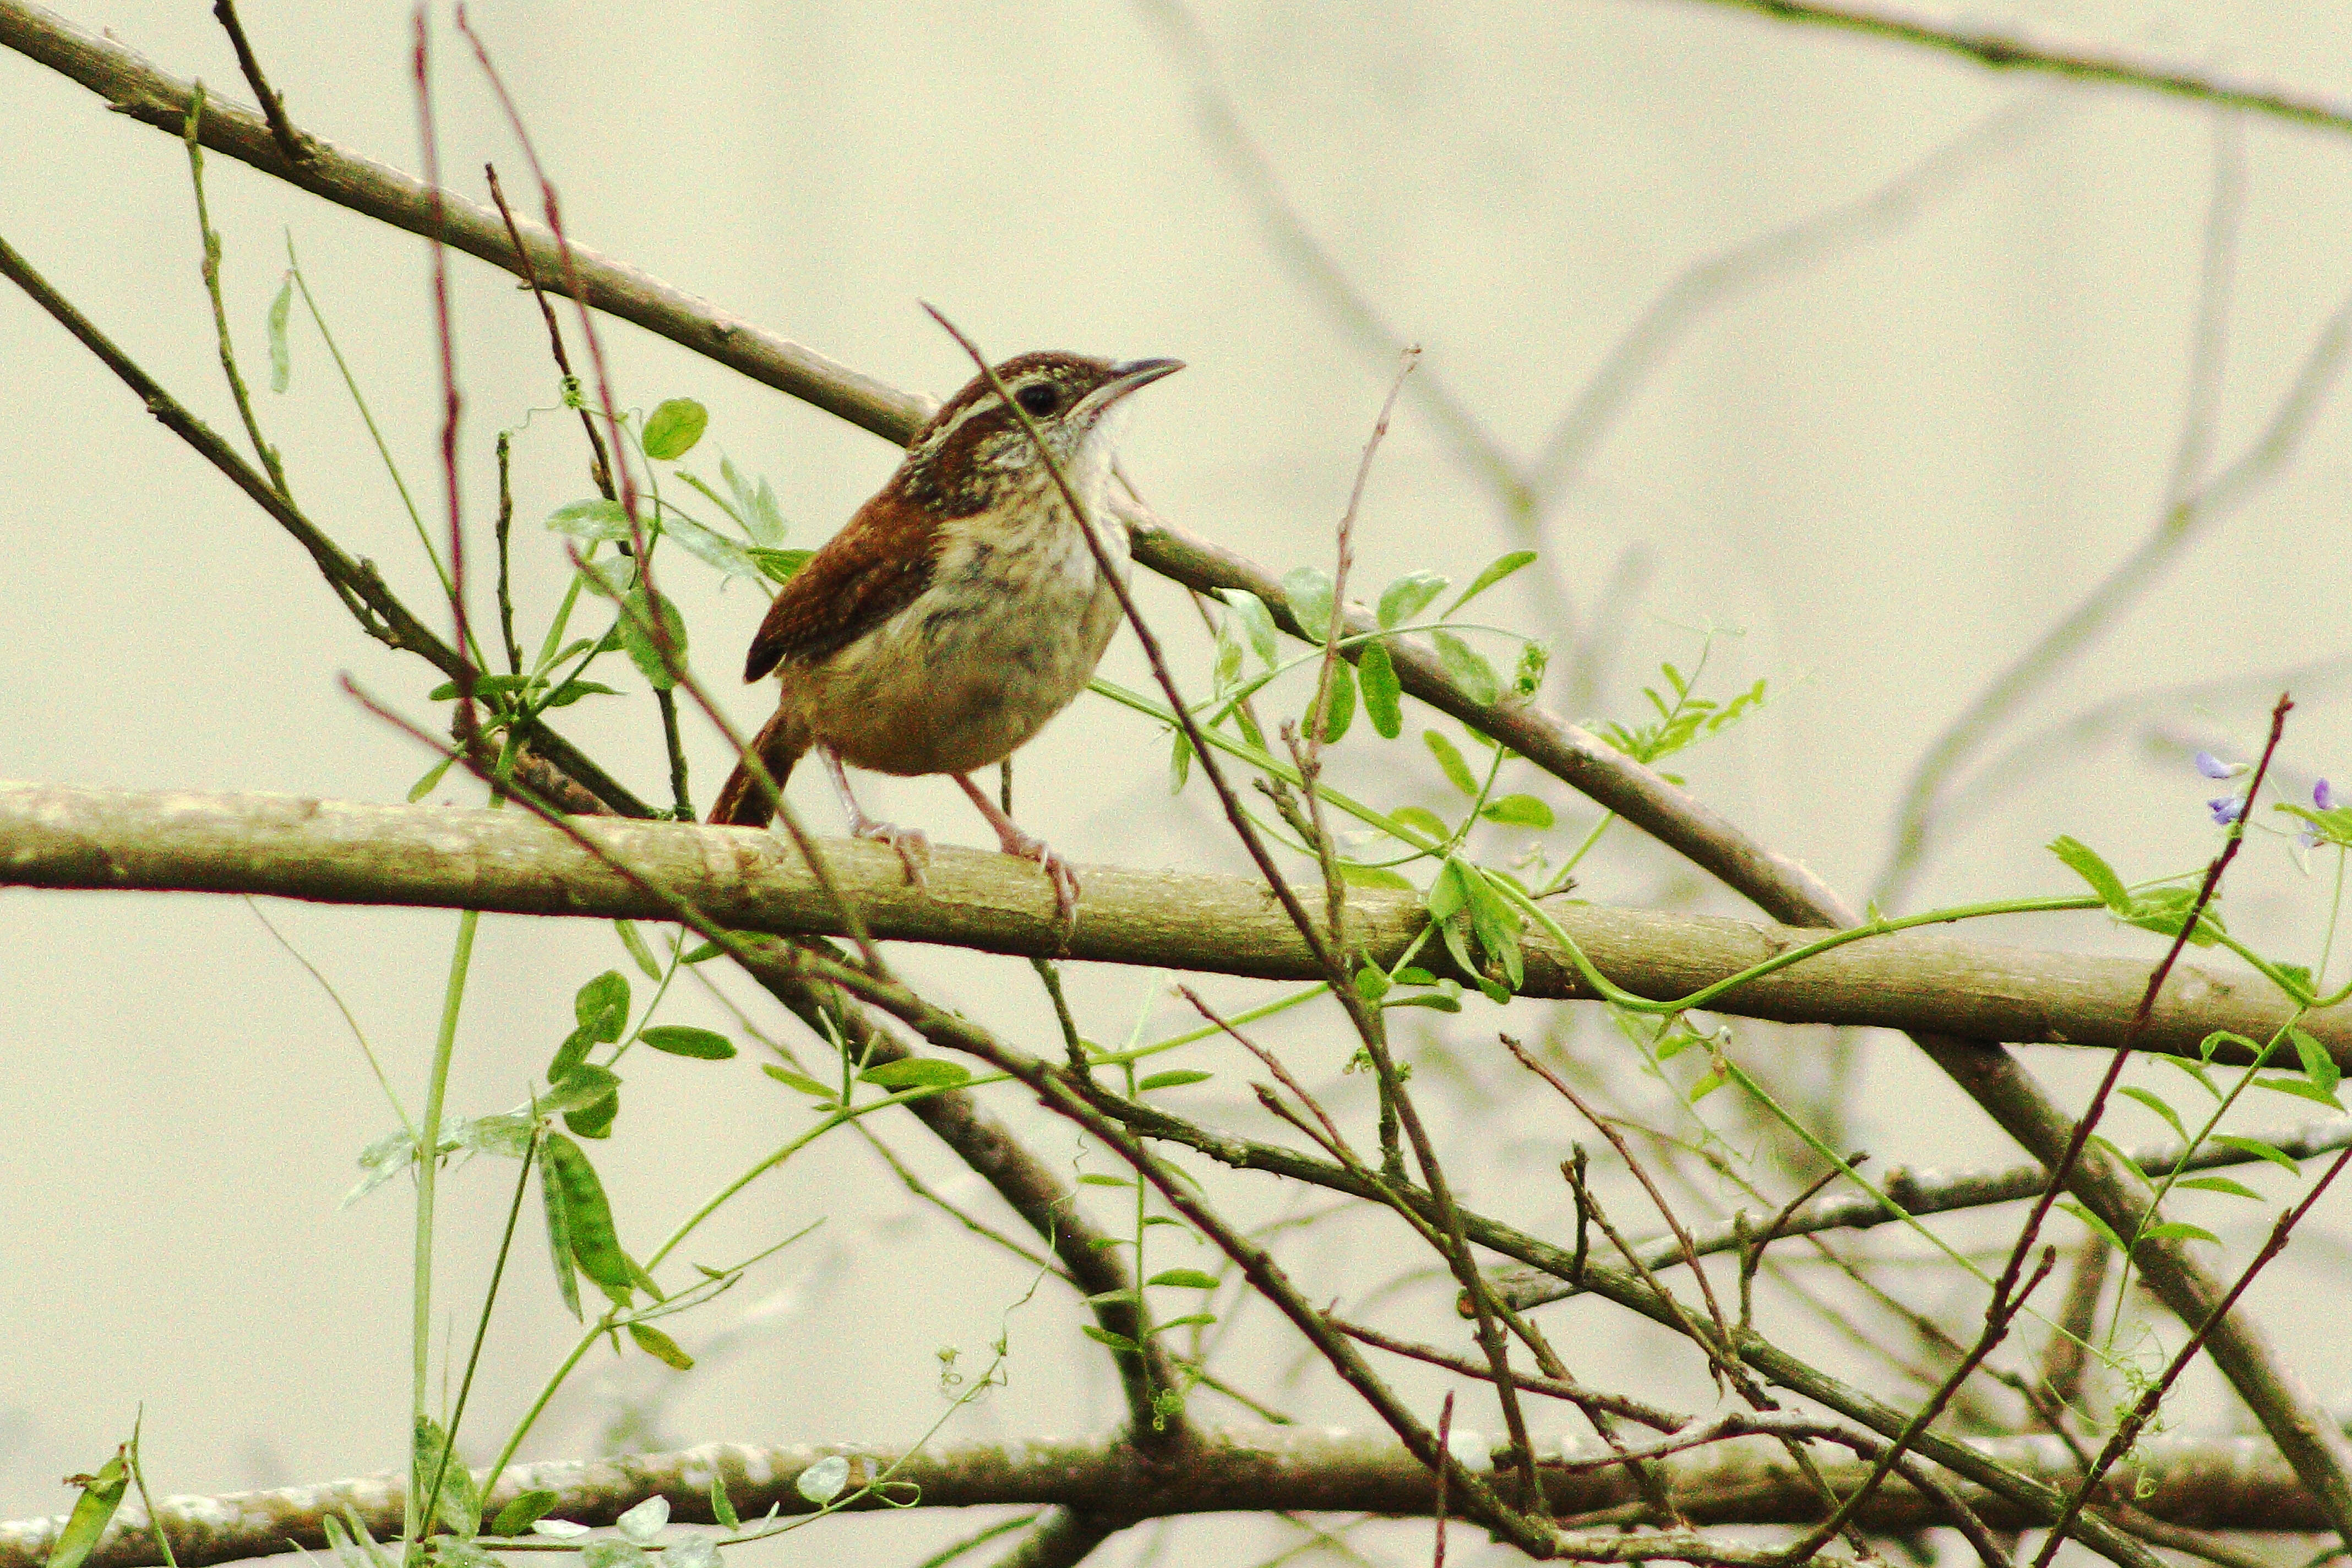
<point>959,610</point>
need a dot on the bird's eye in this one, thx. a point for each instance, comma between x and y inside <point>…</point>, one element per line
<point>1040,399</point>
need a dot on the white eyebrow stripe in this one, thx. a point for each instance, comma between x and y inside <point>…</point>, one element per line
<point>979,404</point>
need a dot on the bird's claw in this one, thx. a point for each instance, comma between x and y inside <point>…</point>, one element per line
<point>1029,846</point>
<point>913,848</point>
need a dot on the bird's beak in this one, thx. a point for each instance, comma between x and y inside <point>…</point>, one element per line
<point>1129,377</point>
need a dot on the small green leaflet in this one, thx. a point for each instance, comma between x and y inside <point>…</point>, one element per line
<point>579,1089</point>
<point>712,550</point>
<point>1467,668</point>
<point>2220,1184</point>
<point>638,618</point>
<point>1450,759</point>
<point>102,1494</point>
<point>661,1347</point>
<point>519,1515</point>
<point>1341,711</point>
<point>1257,624</point>
<point>2086,863</point>
<point>823,1481</point>
<point>602,1006</point>
<point>1405,598</point>
<point>1517,811</point>
<point>1183,1278</point>
<point>1419,820</point>
<point>281,353</point>
<point>2157,1104</point>
<point>588,1217</point>
<point>594,519</point>
<point>1383,696</point>
<point>685,1040</point>
<point>2317,1065</point>
<point>1174,1078</point>
<point>638,950</point>
<point>780,564</point>
<point>2258,1149</point>
<point>1308,592</point>
<point>1499,568</point>
<point>916,1072</point>
<point>1357,876</point>
<point>799,1080</point>
<point>673,428</point>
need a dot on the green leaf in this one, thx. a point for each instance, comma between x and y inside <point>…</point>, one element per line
<point>1426,822</point>
<point>660,1346</point>
<point>1373,982</point>
<point>456,1507</point>
<point>594,519</point>
<point>1410,595</point>
<point>763,516</point>
<point>2097,1225</point>
<point>281,353</point>
<point>2301,1088</point>
<point>703,952</point>
<point>595,1120</point>
<point>713,550</point>
<point>780,564</point>
<point>2155,1102</point>
<point>685,1040</point>
<point>1496,924</point>
<point>1093,1180</point>
<point>1102,1336</point>
<point>559,1235</point>
<point>519,1515</point>
<point>2220,1184</point>
<point>579,1089</point>
<point>1180,763</point>
<point>1436,1001</point>
<point>916,1072</point>
<point>1185,1322</point>
<point>1125,1293</point>
<point>1701,1087</point>
<point>1457,772</point>
<point>1308,593</point>
<point>2204,1079</point>
<point>799,1080</point>
<point>722,1507</point>
<point>1183,1278</point>
<point>2178,1230</point>
<point>2317,1065</point>
<point>2259,1150</point>
<point>673,428</point>
<point>1339,712</point>
<point>2121,1157</point>
<point>588,1216</point>
<point>1257,624</point>
<point>431,781</point>
<point>573,690</point>
<point>1174,1078</point>
<point>2086,863</point>
<point>1517,811</point>
<point>637,623</point>
<point>1383,696</point>
<point>572,1051</point>
<point>1467,668</point>
<point>635,944</point>
<point>102,1494</point>
<point>1357,876</point>
<point>1496,570</point>
<point>601,1006</point>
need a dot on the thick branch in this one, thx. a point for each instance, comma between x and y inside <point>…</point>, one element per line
<point>349,852</point>
<point>2213,1484</point>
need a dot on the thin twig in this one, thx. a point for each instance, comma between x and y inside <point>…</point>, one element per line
<point>290,142</point>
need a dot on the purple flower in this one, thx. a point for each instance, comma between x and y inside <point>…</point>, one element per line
<point>2226,808</point>
<point>2213,767</point>
<point>2322,796</point>
<point>2308,838</point>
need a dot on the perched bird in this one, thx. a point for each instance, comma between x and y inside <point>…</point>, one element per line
<point>959,610</point>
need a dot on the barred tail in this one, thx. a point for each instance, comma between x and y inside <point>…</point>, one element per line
<point>743,802</point>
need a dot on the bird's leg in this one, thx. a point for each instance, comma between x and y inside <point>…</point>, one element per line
<point>1029,846</point>
<point>912,846</point>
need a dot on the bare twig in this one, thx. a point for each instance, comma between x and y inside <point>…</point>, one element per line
<point>2008,52</point>
<point>273,107</point>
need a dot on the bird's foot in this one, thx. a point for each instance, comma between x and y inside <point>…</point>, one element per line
<point>1029,846</point>
<point>914,849</point>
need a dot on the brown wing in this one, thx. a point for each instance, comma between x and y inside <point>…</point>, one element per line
<point>862,577</point>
